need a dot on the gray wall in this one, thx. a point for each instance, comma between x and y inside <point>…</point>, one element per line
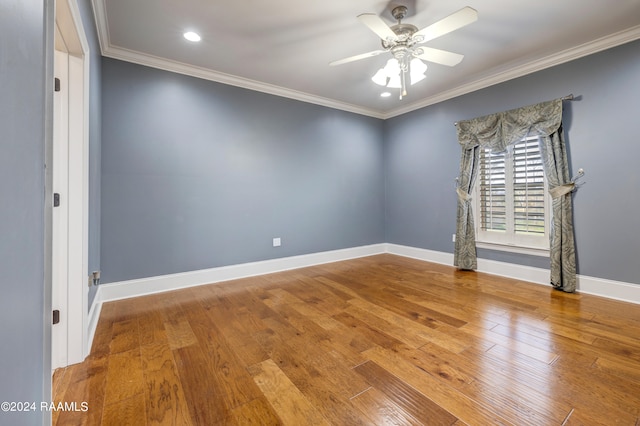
<point>422,159</point>
<point>26,79</point>
<point>196,175</point>
<point>95,134</point>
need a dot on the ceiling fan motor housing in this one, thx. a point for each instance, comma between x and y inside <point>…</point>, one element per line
<point>404,32</point>
<point>402,47</point>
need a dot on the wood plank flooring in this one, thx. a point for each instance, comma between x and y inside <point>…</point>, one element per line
<point>372,341</point>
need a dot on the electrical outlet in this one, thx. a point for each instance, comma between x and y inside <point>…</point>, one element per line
<point>453,238</point>
<point>277,242</point>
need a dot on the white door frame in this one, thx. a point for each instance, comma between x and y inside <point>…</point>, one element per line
<point>69,28</point>
<point>60,214</point>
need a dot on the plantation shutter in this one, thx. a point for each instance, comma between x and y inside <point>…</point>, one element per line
<point>512,189</point>
<point>492,181</point>
<point>528,187</point>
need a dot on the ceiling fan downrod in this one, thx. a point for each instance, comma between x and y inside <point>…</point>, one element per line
<point>402,51</point>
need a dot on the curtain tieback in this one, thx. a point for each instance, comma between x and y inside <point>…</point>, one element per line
<point>462,195</point>
<point>561,190</point>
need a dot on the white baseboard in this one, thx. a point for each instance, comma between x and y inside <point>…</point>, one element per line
<point>132,288</point>
<point>617,290</point>
<point>92,320</point>
<point>610,289</point>
<point>145,286</point>
<point>421,254</point>
<point>512,270</point>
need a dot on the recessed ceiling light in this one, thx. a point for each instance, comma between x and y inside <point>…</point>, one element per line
<point>385,94</point>
<point>191,36</point>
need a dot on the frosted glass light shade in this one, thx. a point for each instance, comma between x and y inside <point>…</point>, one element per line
<point>417,70</point>
<point>394,82</point>
<point>380,77</point>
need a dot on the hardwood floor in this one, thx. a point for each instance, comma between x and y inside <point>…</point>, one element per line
<point>376,341</point>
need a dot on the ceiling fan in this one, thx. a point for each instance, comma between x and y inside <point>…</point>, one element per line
<point>404,41</point>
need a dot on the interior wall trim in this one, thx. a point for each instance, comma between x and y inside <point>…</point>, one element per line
<point>153,285</point>
<point>495,76</point>
<point>511,71</point>
<point>140,287</point>
<point>92,320</point>
<point>610,289</point>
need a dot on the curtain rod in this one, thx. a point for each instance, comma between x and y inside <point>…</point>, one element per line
<point>569,97</point>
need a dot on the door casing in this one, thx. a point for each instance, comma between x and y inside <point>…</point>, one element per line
<point>71,176</point>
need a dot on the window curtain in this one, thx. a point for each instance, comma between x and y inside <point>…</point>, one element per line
<point>497,131</point>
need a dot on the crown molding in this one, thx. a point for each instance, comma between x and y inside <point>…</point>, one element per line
<point>510,73</point>
<point>110,51</point>
<point>496,77</point>
<point>231,80</point>
<point>100,16</point>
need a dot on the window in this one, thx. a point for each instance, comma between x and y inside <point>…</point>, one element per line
<point>512,205</point>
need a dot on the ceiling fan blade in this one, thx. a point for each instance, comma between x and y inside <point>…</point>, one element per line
<point>356,57</point>
<point>459,19</point>
<point>378,26</point>
<point>438,56</point>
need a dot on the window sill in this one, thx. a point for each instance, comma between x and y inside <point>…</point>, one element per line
<point>532,251</point>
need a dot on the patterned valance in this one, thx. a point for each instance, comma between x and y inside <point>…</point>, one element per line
<point>497,131</point>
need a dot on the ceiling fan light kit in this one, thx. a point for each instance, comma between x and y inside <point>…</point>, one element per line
<point>390,75</point>
<point>402,40</point>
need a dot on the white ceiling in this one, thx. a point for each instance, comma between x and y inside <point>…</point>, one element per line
<point>284,47</point>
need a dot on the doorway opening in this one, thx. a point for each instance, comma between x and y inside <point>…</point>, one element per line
<point>70,183</point>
